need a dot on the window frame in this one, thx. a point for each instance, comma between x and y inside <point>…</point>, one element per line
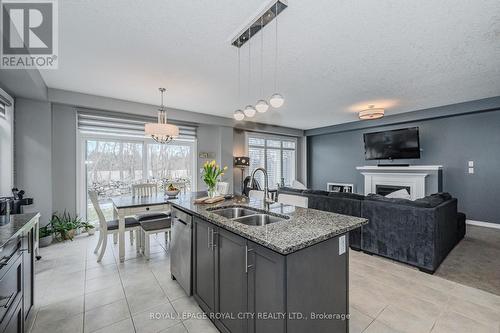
<point>266,137</point>
<point>81,174</point>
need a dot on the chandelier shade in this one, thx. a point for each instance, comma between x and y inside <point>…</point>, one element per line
<point>160,131</point>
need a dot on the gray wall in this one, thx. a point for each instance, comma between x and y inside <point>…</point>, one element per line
<point>64,158</point>
<point>33,154</point>
<point>216,140</point>
<point>450,141</point>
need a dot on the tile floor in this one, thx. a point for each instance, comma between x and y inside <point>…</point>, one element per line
<point>76,294</point>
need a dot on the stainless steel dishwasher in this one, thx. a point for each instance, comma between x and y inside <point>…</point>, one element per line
<point>181,249</point>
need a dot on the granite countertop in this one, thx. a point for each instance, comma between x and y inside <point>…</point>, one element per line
<point>15,227</point>
<point>305,226</point>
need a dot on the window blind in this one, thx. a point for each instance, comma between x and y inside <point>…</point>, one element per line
<point>115,123</point>
<point>2,109</point>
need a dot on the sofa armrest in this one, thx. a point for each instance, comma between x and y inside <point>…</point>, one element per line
<point>446,230</point>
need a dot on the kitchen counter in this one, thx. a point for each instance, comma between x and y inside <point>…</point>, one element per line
<point>305,227</point>
<point>18,223</point>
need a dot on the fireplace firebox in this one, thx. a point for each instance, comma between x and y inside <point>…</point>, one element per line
<point>386,189</point>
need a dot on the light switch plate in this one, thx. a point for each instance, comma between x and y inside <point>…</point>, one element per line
<point>342,245</point>
<point>471,171</point>
<point>471,164</point>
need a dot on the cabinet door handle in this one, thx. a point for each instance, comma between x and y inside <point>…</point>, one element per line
<point>213,239</point>
<point>247,266</point>
<point>208,236</point>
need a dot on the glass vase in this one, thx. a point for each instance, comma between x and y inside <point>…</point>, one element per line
<point>212,193</point>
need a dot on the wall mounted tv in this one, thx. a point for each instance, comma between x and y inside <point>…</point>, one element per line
<point>391,145</point>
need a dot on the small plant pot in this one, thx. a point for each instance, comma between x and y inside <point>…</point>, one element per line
<point>91,231</point>
<point>71,233</point>
<point>45,241</point>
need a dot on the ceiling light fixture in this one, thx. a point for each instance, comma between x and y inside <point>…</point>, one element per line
<point>249,110</point>
<point>371,113</point>
<point>161,132</point>
<point>262,106</point>
<point>276,99</point>
<point>238,114</point>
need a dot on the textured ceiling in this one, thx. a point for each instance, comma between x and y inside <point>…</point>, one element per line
<point>336,57</point>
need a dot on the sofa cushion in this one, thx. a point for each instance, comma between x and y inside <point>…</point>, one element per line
<point>290,189</point>
<point>316,192</point>
<point>346,195</point>
<point>429,201</point>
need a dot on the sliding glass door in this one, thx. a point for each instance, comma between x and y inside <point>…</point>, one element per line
<point>111,165</point>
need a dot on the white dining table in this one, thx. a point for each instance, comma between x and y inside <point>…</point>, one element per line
<point>129,206</point>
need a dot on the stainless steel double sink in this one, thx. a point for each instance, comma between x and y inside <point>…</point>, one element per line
<point>248,216</point>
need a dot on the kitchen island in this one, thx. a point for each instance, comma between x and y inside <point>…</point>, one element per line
<point>287,275</point>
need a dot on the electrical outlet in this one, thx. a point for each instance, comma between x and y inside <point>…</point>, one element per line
<point>471,164</point>
<point>342,245</point>
<point>471,171</point>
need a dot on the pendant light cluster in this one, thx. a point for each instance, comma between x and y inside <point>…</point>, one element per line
<point>276,100</point>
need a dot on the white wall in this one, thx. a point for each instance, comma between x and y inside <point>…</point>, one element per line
<point>7,147</point>
<point>33,154</point>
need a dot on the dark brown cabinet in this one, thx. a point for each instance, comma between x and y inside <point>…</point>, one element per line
<point>28,272</point>
<point>266,289</point>
<point>232,286</point>
<point>17,280</point>
<point>204,265</point>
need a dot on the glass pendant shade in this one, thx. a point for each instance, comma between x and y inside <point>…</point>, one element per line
<point>249,111</point>
<point>239,115</point>
<point>276,100</point>
<point>262,106</point>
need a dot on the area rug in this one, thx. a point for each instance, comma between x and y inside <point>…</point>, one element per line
<point>475,261</point>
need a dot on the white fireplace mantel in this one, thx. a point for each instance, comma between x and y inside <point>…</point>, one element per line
<point>413,176</point>
<point>415,181</point>
<point>400,168</point>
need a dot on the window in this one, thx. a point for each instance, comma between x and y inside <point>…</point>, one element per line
<point>112,165</point>
<point>276,154</point>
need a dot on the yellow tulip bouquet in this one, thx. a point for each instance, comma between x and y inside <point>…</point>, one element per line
<point>211,173</point>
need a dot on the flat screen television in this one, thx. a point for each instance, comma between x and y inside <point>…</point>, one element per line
<point>391,145</point>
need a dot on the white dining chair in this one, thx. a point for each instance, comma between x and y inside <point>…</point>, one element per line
<point>144,190</point>
<point>294,200</point>
<point>298,185</point>
<point>222,188</point>
<point>110,227</point>
<point>256,194</point>
<point>153,227</point>
<point>150,222</point>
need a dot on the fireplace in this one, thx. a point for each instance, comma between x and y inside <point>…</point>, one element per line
<point>386,189</point>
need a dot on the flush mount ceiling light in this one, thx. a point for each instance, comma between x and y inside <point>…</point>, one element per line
<point>371,113</point>
<point>161,132</point>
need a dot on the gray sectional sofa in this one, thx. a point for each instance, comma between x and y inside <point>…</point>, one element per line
<point>419,233</point>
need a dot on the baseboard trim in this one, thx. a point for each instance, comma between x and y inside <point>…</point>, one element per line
<point>483,224</point>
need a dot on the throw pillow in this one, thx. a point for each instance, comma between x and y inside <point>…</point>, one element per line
<point>399,194</point>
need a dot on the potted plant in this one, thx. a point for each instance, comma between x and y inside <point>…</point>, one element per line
<point>210,175</point>
<point>89,228</point>
<point>65,226</point>
<point>46,235</point>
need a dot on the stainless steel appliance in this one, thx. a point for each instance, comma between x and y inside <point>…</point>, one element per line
<point>181,249</point>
